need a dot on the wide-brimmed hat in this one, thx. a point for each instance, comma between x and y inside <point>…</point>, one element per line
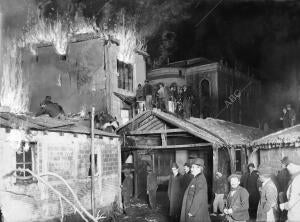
<point>234,175</point>
<point>251,165</point>
<point>198,161</point>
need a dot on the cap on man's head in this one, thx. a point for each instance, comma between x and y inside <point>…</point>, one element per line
<point>251,165</point>
<point>187,164</point>
<point>234,176</point>
<point>174,165</point>
<point>198,161</point>
<point>149,168</point>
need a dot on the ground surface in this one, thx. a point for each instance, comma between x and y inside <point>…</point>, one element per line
<point>140,212</point>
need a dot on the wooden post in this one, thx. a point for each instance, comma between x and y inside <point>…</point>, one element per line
<point>232,161</point>
<point>93,197</point>
<point>215,163</point>
<point>135,159</point>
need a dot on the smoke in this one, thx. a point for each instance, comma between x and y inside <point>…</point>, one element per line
<point>15,13</point>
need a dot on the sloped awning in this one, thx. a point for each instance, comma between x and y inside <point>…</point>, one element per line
<point>130,100</point>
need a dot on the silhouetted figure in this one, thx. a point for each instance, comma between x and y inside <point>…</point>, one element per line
<point>54,110</point>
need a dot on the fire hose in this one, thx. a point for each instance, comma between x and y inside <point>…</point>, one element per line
<point>79,209</point>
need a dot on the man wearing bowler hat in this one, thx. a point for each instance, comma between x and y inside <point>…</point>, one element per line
<point>194,205</point>
<point>267,208</point>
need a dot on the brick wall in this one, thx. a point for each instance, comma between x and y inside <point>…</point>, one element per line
<point>69,157</point>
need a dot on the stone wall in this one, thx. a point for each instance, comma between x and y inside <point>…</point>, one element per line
<point>67,155</point>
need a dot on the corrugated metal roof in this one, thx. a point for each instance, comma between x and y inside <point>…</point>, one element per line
<point>26,122</point>
<point>212,130</point>
<point>286,136</point>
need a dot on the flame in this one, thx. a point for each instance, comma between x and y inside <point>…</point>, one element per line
<point>129,42</point>
<point>14,90</point>
<point>46,32</point>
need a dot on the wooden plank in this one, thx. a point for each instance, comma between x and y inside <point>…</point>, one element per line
<point>156,126</point>
<point>146,125</point>
<point>171,146</point>
<point>155,132</point>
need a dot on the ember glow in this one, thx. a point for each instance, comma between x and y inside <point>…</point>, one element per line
<point>14,89</point>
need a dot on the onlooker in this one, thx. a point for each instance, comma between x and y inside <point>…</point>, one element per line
<point>250,182</point>
<point>237,201</point>
<point>151,187</point>
<point>127,188</point>
<point>187,177</point>
<point>140,99</point>
<point>291,115</point>
<point>293,193</point>
<point>179,103</point>
<point>162,97</point>
<point>194,205</point>
<point>283,178</point>
<point>267,208</point>
<point>172,99</point>
<point>220,190</point>
<point>148,91</point>
<point>187,102</point>
<point>175,193</point>
<point>284,118</point>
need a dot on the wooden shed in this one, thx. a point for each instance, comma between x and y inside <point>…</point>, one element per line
<point>271,148</point>
<point>159,138</point>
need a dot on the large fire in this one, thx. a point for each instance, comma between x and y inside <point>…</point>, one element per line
<point>129,42</point>
<point>14,85</point>
<point>14,89</point>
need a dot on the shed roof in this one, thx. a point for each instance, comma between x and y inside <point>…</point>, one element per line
<point>10,120</point>
<point>212,130</point>
<point>289,135</point>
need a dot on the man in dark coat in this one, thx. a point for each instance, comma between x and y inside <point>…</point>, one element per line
<point>175,193</point>
<point>250,182</point>
<point>187,177</point>
<point>151,187</point>
<point>194,205</point>
<point>237,201</point>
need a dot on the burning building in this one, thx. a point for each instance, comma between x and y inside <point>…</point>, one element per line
<point>46,162</point>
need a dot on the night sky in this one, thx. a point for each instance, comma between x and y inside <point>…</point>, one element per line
<point>261,36</point>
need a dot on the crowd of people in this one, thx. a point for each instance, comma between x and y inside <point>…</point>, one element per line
<point>288,117</point>
<point>257,195</point>
<point>172,99</point>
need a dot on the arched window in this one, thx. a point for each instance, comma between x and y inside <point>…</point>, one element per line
<point>205,88</point>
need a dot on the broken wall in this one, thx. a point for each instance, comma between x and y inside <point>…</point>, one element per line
<point>74,83</point>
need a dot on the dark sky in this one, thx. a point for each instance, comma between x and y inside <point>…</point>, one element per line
<point>260,34</point>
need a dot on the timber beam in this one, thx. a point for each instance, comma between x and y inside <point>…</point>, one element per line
<point>171,146</point>
<point>133,133</point>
